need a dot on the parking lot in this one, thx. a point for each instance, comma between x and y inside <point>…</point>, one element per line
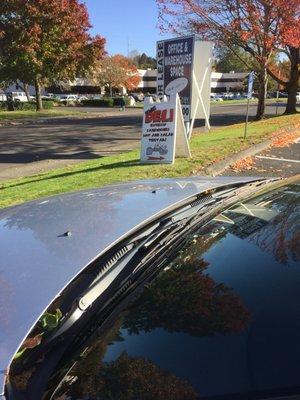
<point>274,161</point>
<point>63,141</point>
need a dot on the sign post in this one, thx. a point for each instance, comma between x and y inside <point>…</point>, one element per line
<point>249,96</point>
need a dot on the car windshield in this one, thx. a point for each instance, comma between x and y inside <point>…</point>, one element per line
<point>220,319</point>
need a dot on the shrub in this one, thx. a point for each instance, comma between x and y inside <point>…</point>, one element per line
<point>117,101</point>
<point>48,104</point>
<point>19,106</point>
<point>3,105</point>
<point>105,102</point>
<point>31,106</point>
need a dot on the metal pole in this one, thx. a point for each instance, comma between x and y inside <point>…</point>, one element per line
<point>247,118</point>
<point>277,97</point>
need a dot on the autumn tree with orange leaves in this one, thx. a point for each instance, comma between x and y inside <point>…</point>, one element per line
<point>45,41</point>
<point>115,72</point>
<point>260,27</point>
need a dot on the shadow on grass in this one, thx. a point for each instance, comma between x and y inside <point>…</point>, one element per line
<point>124,164</point>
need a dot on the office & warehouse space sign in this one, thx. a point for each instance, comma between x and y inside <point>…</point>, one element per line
<point>175,70</point>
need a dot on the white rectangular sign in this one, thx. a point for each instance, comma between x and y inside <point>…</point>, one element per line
<point>163,132</point>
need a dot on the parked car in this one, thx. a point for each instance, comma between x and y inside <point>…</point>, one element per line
<point>82,98</point>
<point>97,97</point>
<point>298,96</point>
<point>166,289</point>
<point>137,96</point>
<point>282,95</point>
<point>66,98</point>
<point>228,96</point>
<point>3,97</point>
<point>18,96</point>
<point>216,97</point>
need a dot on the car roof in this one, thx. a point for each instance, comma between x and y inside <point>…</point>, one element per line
<point>39,259</point>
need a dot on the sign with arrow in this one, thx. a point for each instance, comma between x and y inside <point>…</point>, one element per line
<point>163,131</point>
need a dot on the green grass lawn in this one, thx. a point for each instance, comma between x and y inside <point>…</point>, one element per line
<point>206,149</point>
<point>244,101</point>
<point>12,115</point>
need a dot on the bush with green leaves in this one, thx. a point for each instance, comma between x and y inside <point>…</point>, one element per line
<point>3,105</point>
<point>105,102</point>
<point>26,106</point>
<point>48,104</point>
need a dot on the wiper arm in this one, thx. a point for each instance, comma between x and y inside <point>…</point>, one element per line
<point>143,247</point>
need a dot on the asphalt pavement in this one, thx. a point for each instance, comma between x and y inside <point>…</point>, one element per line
<point>63,141</point>
<point>274,161</point>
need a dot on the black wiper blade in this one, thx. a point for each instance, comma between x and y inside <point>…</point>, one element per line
<point>137,252</point>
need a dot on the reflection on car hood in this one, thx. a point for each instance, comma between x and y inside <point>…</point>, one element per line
<point>38,260</point>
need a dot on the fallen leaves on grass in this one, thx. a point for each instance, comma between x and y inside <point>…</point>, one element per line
<point>244,164</point>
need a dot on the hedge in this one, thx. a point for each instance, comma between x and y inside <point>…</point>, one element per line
<point>105,102</point>
<point>31,106</point>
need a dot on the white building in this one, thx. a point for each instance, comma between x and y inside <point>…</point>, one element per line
<point>220,82</point>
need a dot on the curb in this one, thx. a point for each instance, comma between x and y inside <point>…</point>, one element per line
<point>220,166</point>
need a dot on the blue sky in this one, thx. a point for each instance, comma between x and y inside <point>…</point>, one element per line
<point>125,22</point>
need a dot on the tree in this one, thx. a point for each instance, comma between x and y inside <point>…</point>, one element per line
<point>45,41</point>
<point>186,299</point>
<point>259,27</point>
<point>116,71</point>
<point>143,61</point>
<point>228,60</point>
<point>131,378</point>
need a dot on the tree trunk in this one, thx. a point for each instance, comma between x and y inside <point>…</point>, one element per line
<point>26,90</point>
<point>262,91</point>
<point>292,85</point>
<point>39,103</point>
<point>110,90</point>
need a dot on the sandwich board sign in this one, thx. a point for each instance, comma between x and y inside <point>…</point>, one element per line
<point>184,67</point>
<point>163,132</point>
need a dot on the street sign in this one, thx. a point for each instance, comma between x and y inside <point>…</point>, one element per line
<point>251,78</point>
<point>174,70</point>
<point>163,132</point>
<point>250,85</point>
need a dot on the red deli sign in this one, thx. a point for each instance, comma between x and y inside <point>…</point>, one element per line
<point>166,115</point>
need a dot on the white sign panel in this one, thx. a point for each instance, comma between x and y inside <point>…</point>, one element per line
<point>202,68</point>
<point>163,132</point>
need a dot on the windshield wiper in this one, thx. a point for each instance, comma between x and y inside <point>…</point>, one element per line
<point>126,262</point>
